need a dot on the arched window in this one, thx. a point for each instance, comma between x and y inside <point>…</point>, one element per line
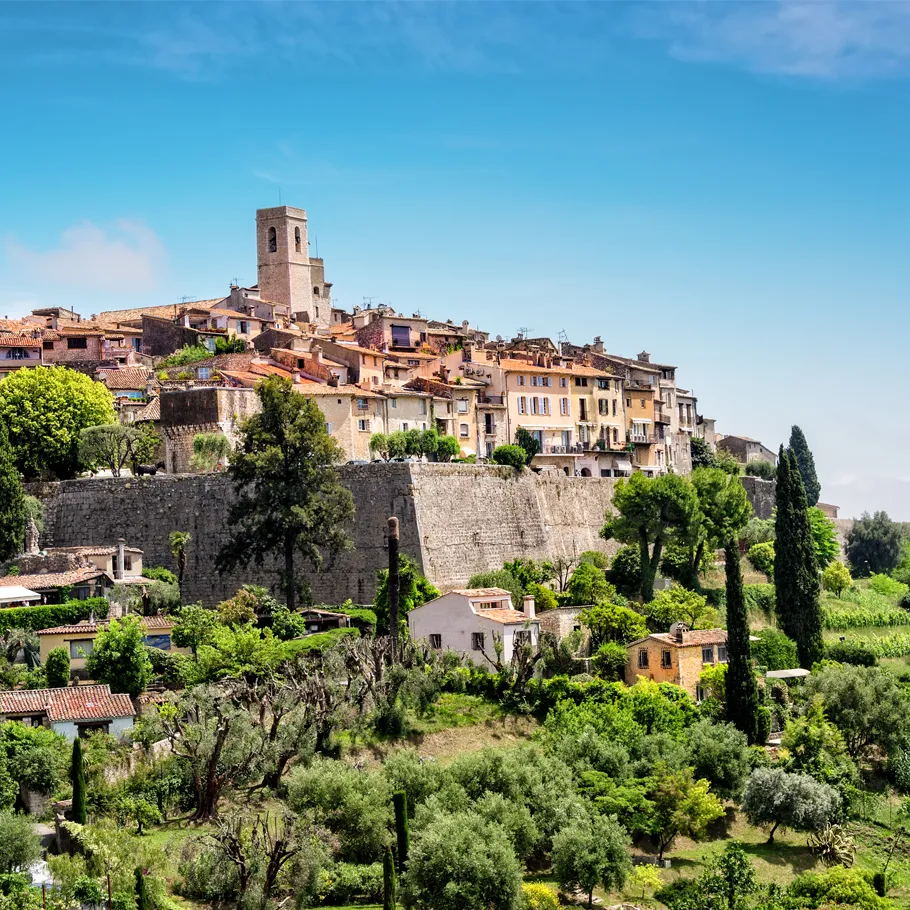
<point>297,238</point>
<point>273,240</point>
<point>316,291</point>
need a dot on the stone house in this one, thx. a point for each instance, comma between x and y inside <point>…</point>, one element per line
<point>677,656</point>
<point>473,621</point>
<point>745,449</point>
<point>384,330</point>
<point>127,384</point>
<point>20,346</point>
<point>72,711</point>
<point>72,584</point>
<point>79,638</point>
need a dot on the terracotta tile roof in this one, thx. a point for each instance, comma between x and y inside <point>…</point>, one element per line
<point>481,592</point>
<point>504,617</point>
<point>356,347</point>
<point>125,378</point>
<point>48,580</point>
<point>73,703</point>
<point>692,639</point>
<point>577,369</point>
<point>244,378</point>
<point>151,623</point>
<point>92,551</point>
<point>19,340</point>
<point>152,411</point>
<point>236,314</point>
<point>345,391</point>
<point>168,311</point>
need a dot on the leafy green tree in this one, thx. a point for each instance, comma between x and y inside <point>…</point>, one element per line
<point>874,544</point>
<point>795,567</point>
<point>742,690</point>
<point>230,345</point>
<point>679,605</point>
<point>13,516</point>
<point>702,456</point>
<point>805,463</point>
<point>827,548</point>
<point>528,441</point>
<point>682,806</point>
<point>112,445</point>
<point>836,579</point>
<point>119,657</point>
<point>612,623</point>
<point>720,754</point>
<point>511,456</point>
<point>591,852</point>
<point>775,798</point>
<point>728,883</point>
<point>414,444</point>
<point>36,757</point>
<point>379,445</point>
<point>194,627</point>
<point>77,779</point>
<point>724,511</point>
<point>398,444</point>
<point>727,462</point>
<point>774,650</point>
<point>429,442</point>
<point>610,661</point>
<point>209,449</point>
<point>290,500</point>
<point>57,668</point>
<point>45,409</point>
<point>757,530</point>
<point>866,704</point>
<point>588,585</point>
<point>19,844</point>
<point>625,569</point>
<point>651,512</point>
<point>414,590</point>
<point>447,448</point>
<point>462,862</point>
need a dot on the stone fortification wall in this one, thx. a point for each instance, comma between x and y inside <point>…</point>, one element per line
<point>761,494</point>
<point>455,519</point>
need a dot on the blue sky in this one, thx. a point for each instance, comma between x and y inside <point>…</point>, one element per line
<point>722,184</point>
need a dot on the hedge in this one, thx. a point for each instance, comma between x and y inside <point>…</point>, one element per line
<point>320,641</point>
<point>33,619</point>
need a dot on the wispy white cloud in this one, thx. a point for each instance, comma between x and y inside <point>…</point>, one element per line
<point>817,39</point>
<point>125,257</point>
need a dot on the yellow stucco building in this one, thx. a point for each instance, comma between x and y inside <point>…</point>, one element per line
<point>677,656</point>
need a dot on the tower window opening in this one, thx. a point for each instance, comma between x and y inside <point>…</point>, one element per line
<point>297,238</point>
<point>273,240</point>
<point>316,292</point>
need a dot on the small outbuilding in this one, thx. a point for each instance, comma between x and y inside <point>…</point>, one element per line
<point>71,712</point>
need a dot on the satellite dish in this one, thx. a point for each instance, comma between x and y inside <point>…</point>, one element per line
<point>499,338</point>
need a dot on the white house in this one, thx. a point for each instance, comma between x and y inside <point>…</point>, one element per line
<point>470,621</point>
<point>72,711</point>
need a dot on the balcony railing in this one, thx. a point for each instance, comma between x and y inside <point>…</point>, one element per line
<point>491,399</point>
<point>576,449</point>
<point>642,438</point>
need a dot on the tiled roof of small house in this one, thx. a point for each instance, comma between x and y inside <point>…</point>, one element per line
<point>481,592</point>
<point>152,411</point>
<point>125,378</point>
<point>151,623</point>
<point>19,340</point>
<point>504,617</point>
<point>44,581</point>
<point>73,703</point>
<point>92,550</point>
<point>690,639</point>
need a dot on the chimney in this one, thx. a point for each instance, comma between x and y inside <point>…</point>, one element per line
<point>121,559</point>
<point>467,352</point>
<point>644,357</point>
<point>527,605</point>
<point>295,376</point>
<point>316,351</point>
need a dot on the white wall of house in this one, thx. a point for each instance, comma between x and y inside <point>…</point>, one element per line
<point>456,618</point>
<point>70,729</point>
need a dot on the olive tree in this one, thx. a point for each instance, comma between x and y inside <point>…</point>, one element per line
<point>592,852</point>
<point>774,798</point>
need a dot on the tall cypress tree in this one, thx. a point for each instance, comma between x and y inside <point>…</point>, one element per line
<point>784,548</point>
<point>400,802</point>
<point>807,615</point>
<point>12,500</point>
<point>389,885</point>
<point>142,895</point>
<point>806,463</point>
<point>77,778</point>
<point>742,690</point>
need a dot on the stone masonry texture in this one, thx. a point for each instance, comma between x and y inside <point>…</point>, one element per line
<point>456,520</point>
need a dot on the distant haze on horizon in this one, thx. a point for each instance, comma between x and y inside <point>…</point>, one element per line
<point>722,185</point>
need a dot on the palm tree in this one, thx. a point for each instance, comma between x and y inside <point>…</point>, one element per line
<point>179,541</point>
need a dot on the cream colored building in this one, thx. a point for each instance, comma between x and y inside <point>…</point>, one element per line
<point>677,657</point>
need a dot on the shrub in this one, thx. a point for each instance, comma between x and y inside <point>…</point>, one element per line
<point>612,623</point>
<point>501,578</point>
<point>57,668</point>
<point>588,585</point>
<point>33,619</point>
<point>157,573</point>
<point>763,469</point>
<point>610,661</point>
<point>348,883</point>
<point>761,597</point>
<point>761,555</point>
<point>887,586</point>
<point>852,652</point>
<point>447,448</point>
<point>836,886</point>
<point>544,598</point>
<point>513,456</point>
<point>539,897</point>
<point>186,355</point>
<point>774,650</point>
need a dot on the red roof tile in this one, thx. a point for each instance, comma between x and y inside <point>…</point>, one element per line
<point>151,623</point>
<point>70,704</point>
<point>42,582</point>
<point>125,378</point>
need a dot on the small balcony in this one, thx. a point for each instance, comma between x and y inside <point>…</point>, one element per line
<point>641,438</point>
<point>574,450</point>
<point>494,400</point>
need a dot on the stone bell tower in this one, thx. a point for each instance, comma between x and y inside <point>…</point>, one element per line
<point>285,267</point>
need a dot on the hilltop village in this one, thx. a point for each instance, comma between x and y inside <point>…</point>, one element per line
<point>302,607</point>
<point>372,371</point>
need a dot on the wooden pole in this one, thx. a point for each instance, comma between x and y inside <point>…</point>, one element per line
<point>110,899</point>
<point>393,579</point>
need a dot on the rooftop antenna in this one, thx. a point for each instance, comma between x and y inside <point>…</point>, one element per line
<point>523,331</point>
<point>562,336</point>
<point>369,301</point>
<point>316,243</point>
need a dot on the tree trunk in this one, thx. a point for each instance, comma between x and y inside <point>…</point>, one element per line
<point>590,899</point>
<point>771,833</point>
<point>289,587</point>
